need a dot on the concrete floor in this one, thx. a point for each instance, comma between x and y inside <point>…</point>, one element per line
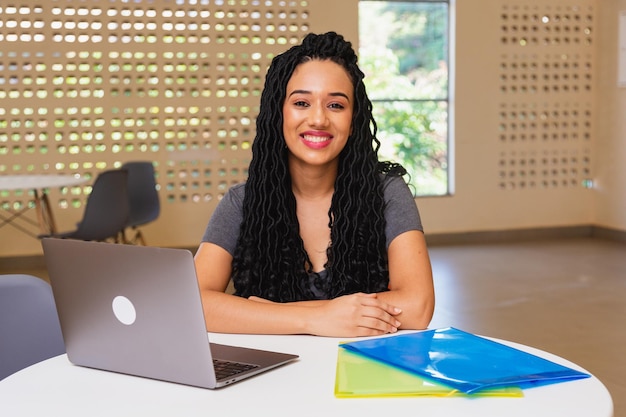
<point>567,297</point>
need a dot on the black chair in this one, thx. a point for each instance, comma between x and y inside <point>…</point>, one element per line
<point>143,198</point>
<point>106,211</point>
<point>29,325</point>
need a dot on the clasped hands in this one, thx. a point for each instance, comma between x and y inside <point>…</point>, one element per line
<point>351,315</point>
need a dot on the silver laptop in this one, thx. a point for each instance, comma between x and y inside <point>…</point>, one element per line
<point>136,310</point>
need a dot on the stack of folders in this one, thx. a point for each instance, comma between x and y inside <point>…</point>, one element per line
<point>441,362</point>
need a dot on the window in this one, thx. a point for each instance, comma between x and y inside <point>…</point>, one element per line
<point>403,50</point>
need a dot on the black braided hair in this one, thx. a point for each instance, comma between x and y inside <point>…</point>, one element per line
<point>270,260</point>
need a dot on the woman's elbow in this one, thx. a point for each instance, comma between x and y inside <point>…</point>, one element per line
<point>418,318</point>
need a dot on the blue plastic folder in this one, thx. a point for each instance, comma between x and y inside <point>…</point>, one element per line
<point>463,360</point>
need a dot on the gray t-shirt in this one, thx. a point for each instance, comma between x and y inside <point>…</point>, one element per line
<point>401,214</point>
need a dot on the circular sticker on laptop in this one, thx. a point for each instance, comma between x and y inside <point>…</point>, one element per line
<point>124,310</point>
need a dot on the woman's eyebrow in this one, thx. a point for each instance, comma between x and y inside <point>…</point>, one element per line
<point>340,94</point>
<point>336,94</point>
<point>299,92</point>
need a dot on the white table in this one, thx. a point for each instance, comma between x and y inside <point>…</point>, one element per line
<point>303,388</point>
<point>39,184</point>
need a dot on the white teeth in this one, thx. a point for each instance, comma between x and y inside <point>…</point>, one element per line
<point>316,139</point>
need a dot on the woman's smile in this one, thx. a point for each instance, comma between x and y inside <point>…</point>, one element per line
<point>316,140</point>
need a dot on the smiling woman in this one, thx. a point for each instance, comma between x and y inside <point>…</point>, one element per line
<point>323,238</point>
<point>317,115</point>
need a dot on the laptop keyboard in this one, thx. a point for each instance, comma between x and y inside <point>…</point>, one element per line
<point>226,369</point>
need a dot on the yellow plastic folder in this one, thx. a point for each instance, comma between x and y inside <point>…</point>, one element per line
<point>359,376</point>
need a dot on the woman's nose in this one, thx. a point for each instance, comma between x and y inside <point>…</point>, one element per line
<point>317,116</point>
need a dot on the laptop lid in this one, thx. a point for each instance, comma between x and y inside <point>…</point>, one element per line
<point>137,310</point>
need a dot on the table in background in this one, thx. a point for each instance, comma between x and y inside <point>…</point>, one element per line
<point>302,388</point>
<point>39,184</point>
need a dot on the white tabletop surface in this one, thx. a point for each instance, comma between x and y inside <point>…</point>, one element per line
<point>38,181</point>
<point>303,388</point>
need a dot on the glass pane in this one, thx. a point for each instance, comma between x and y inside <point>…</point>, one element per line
<point>415,135</point>
<point>403,50</point>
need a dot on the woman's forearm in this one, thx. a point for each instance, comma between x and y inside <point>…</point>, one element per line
<point>227,313</point>
<point>347,316</point>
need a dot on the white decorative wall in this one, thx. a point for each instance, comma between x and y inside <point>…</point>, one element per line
<point>86,85</point>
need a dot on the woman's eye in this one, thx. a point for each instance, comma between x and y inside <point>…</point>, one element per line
<point>300,103</point>
<point>337,106</point>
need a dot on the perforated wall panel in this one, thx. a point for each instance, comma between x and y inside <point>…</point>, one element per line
<point>88,85</point>
<point>546,80</point>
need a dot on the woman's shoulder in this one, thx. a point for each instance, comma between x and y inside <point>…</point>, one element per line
<point>393,183</point>
<point>236,192</point>
<point>239,188</point>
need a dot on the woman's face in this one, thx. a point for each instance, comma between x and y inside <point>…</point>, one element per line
<point>317,113</point>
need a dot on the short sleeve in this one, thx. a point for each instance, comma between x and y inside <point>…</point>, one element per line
<point>224,225</point>
<point>401,212</point>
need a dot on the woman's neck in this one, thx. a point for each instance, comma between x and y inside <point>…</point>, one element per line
<point>313,182</point>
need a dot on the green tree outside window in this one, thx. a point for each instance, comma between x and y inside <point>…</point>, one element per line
<point>403,50</point>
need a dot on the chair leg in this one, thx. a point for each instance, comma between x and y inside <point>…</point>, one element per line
<point>136,239</point>
<point>122,237</point>
<point>139,238</point>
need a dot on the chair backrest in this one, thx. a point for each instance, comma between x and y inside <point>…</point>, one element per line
<point>107,209</point>
<point>142,193</point>
<point>29,325</point>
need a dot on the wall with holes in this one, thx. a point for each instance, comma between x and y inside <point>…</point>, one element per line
<point>537,125</point>
<point>525,115</point>
<point>88,85</point>
<point>610,144</point>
